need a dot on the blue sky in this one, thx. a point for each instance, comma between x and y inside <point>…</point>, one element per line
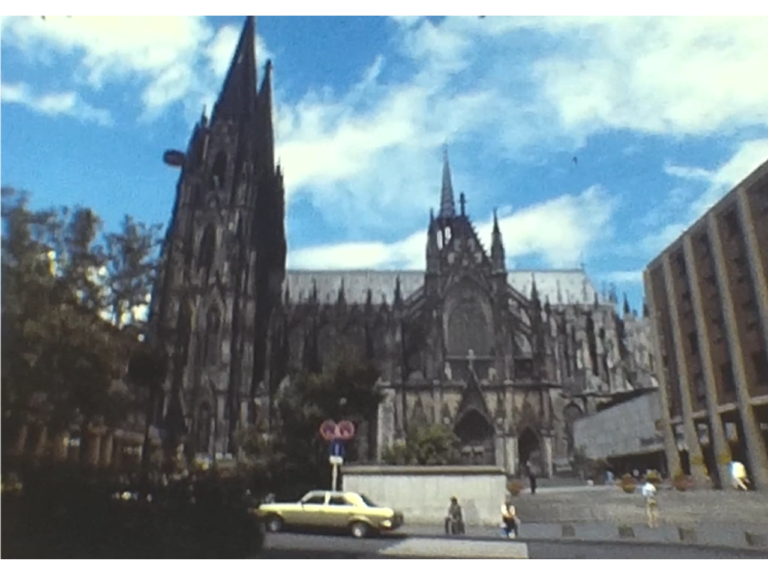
<point>663,115</point>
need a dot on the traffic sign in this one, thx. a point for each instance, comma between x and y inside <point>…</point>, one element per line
<point>328,430</point>
<point>337,448</point>
<point>345,430</point>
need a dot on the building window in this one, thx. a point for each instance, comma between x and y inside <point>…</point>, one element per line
<point>219,171</point>
<point>704,244</point>
<point>726,371</point>
<point>693,341</point>
<point>760,362</point>
<point>679,259</point>
<point>211,342</point>
<point>699,389</point>
<point>731,224</point>
<point>523,368</point>
<point>207,250</point>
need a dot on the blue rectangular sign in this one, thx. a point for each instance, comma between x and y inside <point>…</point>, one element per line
<point>337,448</point>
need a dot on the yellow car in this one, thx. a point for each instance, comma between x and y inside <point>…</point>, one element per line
<point>321,509</point>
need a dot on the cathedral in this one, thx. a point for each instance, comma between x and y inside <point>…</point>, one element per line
<point>507,359</point>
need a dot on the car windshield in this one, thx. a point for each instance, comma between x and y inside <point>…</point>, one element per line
<point>368,502</point>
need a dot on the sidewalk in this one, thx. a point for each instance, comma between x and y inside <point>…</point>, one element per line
<point>750,536</point>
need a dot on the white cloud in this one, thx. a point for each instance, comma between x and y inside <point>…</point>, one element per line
<point>624,277</point>
<point>173,59</point>
<point>367,159</point>
<point>54,104</point>
<point>560,231</point>
<point>717,182</point>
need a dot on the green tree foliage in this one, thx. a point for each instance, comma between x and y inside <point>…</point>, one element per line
<point>61,359</point>
<point>431,446</point>
<point>132,267</point>
<point>296,454</point>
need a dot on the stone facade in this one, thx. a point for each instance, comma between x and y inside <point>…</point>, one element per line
<point>508,359</point>
<point>223,263</point>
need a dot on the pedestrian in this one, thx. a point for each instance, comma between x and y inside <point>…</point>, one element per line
<point>648,491</point>
<point>454,520</point>
<point>509,521</point>
<point>532,479</point>
<point>739,476</point>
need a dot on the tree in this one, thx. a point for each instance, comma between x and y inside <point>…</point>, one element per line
<point>61,358</point>
<point>431,446</point>
<point>132,266</point>
<point>345,390</point>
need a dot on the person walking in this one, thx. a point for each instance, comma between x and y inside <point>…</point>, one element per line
<point>739,476</point>
<point>532,479</point>
<point>648,491</point>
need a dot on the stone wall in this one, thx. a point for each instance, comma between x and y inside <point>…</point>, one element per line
<point>423,493</point>
<point>624,429</point>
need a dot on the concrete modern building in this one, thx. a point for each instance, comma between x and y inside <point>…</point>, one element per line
<point>626,434</point>
<point>707,295</point>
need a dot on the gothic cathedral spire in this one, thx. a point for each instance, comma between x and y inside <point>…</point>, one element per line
<point>238,95</point>
<point>498,258</point>
<point>447,202</point>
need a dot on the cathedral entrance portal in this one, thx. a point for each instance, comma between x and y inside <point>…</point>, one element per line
<point>476,435</point>
<point>529,451</point>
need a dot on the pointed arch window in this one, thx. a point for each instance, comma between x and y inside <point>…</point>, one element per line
<point>207,249</point>
<point>219,171</point>
<point>468,329</point>
<point>211,342</point>
<point>204,415</point>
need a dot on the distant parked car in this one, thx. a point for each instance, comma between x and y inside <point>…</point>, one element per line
<point>321,509</point>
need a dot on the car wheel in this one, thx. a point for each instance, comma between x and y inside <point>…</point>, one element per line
<point>274,524</point>
<point>359,529</point>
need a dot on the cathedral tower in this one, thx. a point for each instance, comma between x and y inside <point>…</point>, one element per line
<point>223,262</point>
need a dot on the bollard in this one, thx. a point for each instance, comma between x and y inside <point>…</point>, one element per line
<point>626,532</point>
<point>687,535</point>
<point>756,540</point>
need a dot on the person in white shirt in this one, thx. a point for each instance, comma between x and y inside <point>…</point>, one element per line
<point>739,476</point>
<point>648,491</point>
<point>509,519</point>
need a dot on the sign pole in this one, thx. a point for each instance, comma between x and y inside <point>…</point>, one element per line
<point>334,476</point>
<point>336,435</point>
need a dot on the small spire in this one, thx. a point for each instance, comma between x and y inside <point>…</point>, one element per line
<point>627,310</point>
<point>498,257</point>
<point>447,202</point>
<point>398,292</point>
<point>534,289</point>
<point>313,294</point>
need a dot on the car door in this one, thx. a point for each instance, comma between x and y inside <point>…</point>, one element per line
<point>339,511</point>
<point>312,506</point>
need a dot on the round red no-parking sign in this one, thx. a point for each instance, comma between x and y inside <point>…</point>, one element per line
<point>330,430</point>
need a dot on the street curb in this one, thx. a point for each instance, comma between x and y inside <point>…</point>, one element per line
<point>625,541</point>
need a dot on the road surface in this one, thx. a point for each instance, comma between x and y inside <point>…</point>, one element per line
<point>287,545</point>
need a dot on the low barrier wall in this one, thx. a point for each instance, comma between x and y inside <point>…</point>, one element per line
<point>423,493</point>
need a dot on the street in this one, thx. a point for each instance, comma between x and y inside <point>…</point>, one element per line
<point>295,546</point>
